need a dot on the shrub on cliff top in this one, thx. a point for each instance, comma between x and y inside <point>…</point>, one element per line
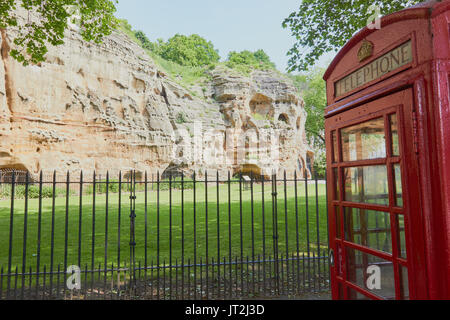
<point>146,43</point>
<point>190,50</point>
<point>188,58</point>
<point>247,60</point>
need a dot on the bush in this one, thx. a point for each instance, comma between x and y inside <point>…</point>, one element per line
<point>113,187</point>
<point>145,42</point>
<point>192,50</point>
<point>185,75</point>
<point>245,61</point>
<point>176,185</point>
<point>33,192</point>
<point>181,118</point>
<point>258,116</point>
<point>320,165</point>
<point>125,24</point>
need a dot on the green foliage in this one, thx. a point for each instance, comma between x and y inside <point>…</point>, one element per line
<point>33,192</point>
<point>258,116</point>
<point>176,185</point>
<point>245,61</point>
<point>113,186</point>
<point>184,75</point>
<point>190,50</point>
<point>313,90</point>
<point>322,26</point>
<point>181,118</point>
<point>125,25</point>
<point>188,59</point>
<point>314,94</point>
<point>95,19</point>
<point>320,164</point>
<point>146,43</point>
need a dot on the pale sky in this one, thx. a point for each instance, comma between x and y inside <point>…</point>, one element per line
<point>231,25</point>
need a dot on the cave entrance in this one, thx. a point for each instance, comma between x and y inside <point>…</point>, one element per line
<point>20,174</point>
<point>262,105</point>
<point>138,175</point>
<point>284,118</point>
<point>173,172</point>
<point>251,170</point>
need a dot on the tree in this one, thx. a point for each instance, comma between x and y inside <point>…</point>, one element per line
<point>314,94</point>
<point>145,42</point>
<point>49,19</point>
<point>263,59</point>
<point>247,60</point>
<point>322,26</point>
<point>190,50</point>
<point>313,90</point>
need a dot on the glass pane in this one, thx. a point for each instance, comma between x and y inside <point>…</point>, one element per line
<point>401,236</point>
<point>394,134</point>
<point>405,282</point>
<point>364,141</point>
<point>337,215</point>
<point>371,273</point>
<point>337,192</point>
<point>368,228</point>
<point>335,148</point>
<point>398,192</point>
<point>367,185</point>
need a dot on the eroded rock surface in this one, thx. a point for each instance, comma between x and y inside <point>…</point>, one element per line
<point>108,107</point>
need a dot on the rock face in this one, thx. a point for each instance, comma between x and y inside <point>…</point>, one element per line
<point>108,107</point>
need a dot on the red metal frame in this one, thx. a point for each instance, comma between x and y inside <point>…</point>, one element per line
<point>419,94</point>
<point>380,108</point>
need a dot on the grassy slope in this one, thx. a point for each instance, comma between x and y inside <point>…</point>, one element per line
<point>184,75</point>
<point>188,76</point>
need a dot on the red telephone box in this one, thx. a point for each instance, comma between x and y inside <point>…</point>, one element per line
<point>388,141</point>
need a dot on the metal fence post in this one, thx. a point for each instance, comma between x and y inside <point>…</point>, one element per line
<point>275,232</point>
<point>132,231</point>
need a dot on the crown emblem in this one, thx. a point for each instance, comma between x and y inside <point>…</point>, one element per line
<point>366,50</point>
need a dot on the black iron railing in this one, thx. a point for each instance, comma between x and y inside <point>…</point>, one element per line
<point>137,236</point>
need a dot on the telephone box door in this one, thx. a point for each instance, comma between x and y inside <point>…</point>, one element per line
<point>375,215</point>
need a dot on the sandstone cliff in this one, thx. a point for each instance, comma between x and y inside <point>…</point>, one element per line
<point>108,107</point>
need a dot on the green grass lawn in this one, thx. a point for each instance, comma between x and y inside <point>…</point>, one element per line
<point>255,233</point>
